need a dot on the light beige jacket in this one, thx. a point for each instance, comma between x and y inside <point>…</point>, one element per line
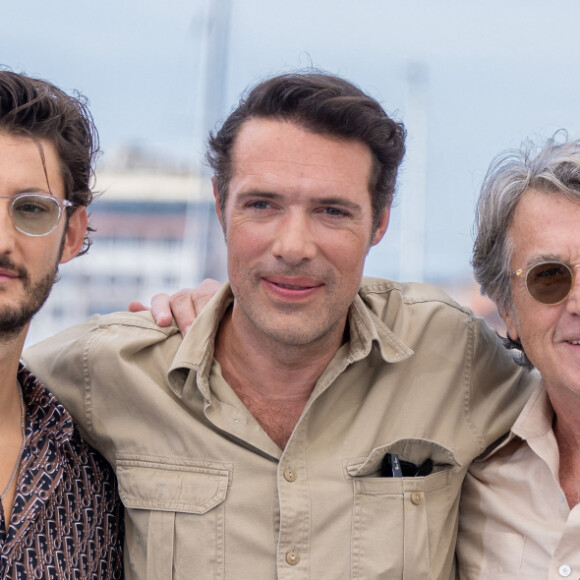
<point>208,495</point>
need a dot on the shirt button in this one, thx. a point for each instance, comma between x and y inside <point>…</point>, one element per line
<point>292,558</point>
<point>565,571</point>
<point>416,498</point>
<point>289,474</point>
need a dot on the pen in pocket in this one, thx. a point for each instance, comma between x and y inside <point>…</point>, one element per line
<point>392,466</point>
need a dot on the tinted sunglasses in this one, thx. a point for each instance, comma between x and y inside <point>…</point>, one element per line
<point>35,214</point>
<point>549,282</point>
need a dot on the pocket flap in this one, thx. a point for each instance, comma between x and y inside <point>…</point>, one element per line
<point>414,450</point>
<point>171,483</point>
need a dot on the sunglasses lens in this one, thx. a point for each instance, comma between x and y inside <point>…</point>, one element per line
<point>35,215</point>
<point>549,283</point>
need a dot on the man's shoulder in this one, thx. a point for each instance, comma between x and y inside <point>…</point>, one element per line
<point>387,295</point>
<point>129,320</point>
<point>121,326</point>
<point>100,338</point>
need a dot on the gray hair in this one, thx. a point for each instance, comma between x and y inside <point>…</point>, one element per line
<point>555,167</point>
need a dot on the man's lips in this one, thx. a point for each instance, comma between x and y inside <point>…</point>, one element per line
<point>570,337</point>
<point>4,273</point>
<point>294,283</point>
<point>292,288</point>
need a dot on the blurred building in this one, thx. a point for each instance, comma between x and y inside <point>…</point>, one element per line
<point>156,231</point>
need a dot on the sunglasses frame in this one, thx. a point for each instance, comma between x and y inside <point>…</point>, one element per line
<point>571,268</point>
<point>61,203</point>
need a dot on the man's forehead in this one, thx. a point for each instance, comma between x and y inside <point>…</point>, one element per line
<point>544,227</point>
<point>272,145</point>
<point>28,163</point>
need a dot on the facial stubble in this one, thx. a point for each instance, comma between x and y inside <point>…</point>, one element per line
<point>14,319</point>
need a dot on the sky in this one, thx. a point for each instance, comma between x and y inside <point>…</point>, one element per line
<point>490,75</point>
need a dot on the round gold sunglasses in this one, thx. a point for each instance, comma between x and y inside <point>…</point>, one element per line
<point>549,282</point>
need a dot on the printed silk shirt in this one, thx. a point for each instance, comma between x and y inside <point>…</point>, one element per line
<point>209,495</point>
<point>66,520</point>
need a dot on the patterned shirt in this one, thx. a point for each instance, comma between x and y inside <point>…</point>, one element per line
<point>66,520</point>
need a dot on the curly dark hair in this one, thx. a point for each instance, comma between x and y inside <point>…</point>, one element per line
<point>324,104</point>
<point>38,109</point>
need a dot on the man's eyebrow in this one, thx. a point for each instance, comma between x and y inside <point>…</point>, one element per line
<point>332,200</point>
<point>40,190</point>
<point>540,259</point>
<point>259,193</point>
<point>28,190</point>
<point>342,201</point>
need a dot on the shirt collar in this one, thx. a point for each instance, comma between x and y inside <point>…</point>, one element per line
<point>195,354</point>
<point>536,418</point>
<point>534,421</point>
<point>366,329</point>
<point>45,416</point>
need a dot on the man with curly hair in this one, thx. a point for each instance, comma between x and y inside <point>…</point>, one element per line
<point>59,510</point>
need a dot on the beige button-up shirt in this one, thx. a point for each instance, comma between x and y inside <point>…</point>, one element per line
<point>209,495</point>
<point>515,521</point>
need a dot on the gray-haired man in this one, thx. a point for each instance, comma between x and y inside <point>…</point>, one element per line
<point>519,512</point>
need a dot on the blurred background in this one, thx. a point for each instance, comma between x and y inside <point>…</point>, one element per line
<point>469,79</point>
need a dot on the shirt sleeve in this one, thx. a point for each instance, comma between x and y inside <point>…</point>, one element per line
<point>498,387</point>
<point>59,363</point>
<point>88,368</point>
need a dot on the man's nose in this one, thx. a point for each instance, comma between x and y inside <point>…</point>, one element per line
<point>7,229</point>
<point>294,241</point>
<point>573,300</point>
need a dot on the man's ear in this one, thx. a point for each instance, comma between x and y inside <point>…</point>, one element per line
<point>75,234</point>
<point>382,227</point>
<point>216,196</point>
<point>509,320</point>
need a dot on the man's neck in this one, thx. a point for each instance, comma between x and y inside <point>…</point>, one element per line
<point>274,381</point>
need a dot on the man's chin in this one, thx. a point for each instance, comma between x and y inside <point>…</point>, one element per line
<point>14,319</point>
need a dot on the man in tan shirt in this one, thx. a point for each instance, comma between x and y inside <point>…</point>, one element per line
<point>307,426</point>
<point>520,513</point>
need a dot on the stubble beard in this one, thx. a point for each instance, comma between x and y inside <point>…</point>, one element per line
<point>14,319</point>
<point>302,330</point>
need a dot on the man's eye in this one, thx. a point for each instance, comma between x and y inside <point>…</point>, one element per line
<point>259,205</point>
<point>334,211</point>
<point>32,207</point>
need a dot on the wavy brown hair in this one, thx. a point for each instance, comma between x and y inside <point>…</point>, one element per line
<point>38,109</point>
<point>324,104</point>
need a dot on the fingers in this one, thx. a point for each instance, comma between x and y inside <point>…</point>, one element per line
<point>187,304</point>
<point>161,309</point>
<point>204,293</point>
<point>182,305</point>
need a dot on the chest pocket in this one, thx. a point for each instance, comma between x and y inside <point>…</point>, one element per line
<point>402,526</point>
<point>174,515</point>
